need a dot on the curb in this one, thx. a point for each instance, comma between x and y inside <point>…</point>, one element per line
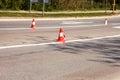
<point>48,18</point>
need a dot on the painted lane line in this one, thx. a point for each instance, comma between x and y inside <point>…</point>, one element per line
<point>97,38</point>
<point>79,26</point>
<point>53,27</point>
<point>41,44</point>
<point>74,22</point>
<point>115,23</point>
<point>116,27</point>
<point>14,28</point>
<point>27,45</point>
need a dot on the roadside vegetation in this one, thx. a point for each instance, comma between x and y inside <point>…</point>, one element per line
<point>9,14</point>
<point>57,5</point>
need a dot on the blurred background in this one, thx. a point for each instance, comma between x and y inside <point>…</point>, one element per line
<point>60,5</point>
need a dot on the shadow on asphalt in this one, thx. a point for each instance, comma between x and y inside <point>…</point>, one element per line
<point>108,50</point>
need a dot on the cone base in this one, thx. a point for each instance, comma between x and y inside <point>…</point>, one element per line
<point>33,27</point>
<point>61,40</point>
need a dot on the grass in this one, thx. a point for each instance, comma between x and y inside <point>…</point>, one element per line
<point>78,15</point>
<point>9,14</point>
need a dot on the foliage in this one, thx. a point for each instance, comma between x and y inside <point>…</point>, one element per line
<point>58,5</point>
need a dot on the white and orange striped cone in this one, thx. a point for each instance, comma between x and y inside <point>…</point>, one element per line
<point>61,36</point>
<point>106,21</point>
<point>33,24</point>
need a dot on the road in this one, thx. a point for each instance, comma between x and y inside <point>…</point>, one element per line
<point>91,50</point>
<point>22,23</point>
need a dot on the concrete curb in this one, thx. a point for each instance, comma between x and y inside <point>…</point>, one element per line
<point>48,18</point>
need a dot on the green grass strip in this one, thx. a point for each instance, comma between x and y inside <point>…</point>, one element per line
<point>9,14</point>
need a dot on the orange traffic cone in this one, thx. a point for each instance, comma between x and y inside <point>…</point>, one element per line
<point>33,24</point>
<point>106,21</point>
<point>61,36</point>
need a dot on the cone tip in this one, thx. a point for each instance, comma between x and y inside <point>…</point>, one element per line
<point>33,19</point>
<point>61,30</point>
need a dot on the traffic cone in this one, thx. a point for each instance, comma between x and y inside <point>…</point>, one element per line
<point>33,24</point>
<point>106,21</point>
<point>61,36</point>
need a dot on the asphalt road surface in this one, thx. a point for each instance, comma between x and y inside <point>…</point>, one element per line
<point>85,22</point>
<point>91,50</point>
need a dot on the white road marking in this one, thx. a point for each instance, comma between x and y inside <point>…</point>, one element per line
<point>96,25</point>
<point>26,45</point>
<point>116,27</point>
<point>97,38</point>
<point>74,22</point>
<point>14,28</point>
<point>41,44</point>
<point>115,23</point>
<point>53,27</point>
